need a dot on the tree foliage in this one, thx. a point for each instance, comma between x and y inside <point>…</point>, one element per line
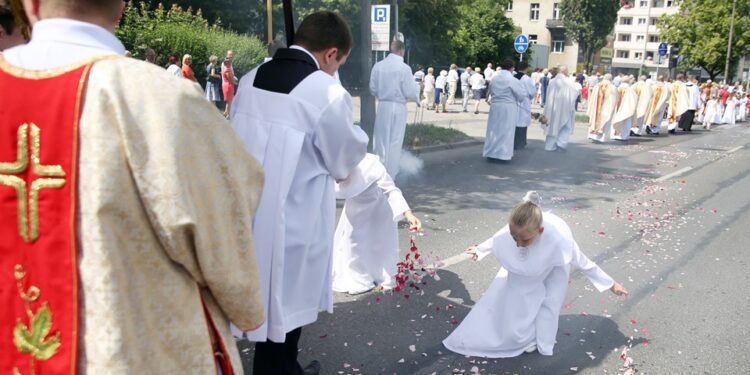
<point>588,22</point>
<point>179,31</point>
<point>701,27</point>
<point>484,34</point>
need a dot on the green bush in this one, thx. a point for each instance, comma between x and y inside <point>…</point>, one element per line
<point>177,31</point>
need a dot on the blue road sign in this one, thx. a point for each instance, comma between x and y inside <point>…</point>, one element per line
<point>380,14</point>
<point>663,49</point>
<point>521,44</point>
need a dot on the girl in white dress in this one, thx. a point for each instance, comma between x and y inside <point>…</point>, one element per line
<point>520,310</point>
<point>712,115</point>
<point>429,89</point>
<point>365,245</point>
<point>729,111</point>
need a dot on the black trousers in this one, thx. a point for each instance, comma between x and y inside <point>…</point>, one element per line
<point>519,140</point>
<point>273,358</point>
<point>686,120</point>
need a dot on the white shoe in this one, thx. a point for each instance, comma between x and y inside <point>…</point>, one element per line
<point>531,349</point>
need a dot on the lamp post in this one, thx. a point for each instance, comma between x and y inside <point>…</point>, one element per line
<point>729,42</point>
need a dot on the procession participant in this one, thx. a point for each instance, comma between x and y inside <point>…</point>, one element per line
<point>12,30</point>
<point>657,107</point>
<point>365,245</point>
<point>601,109</point>
<point>679,102</point>
<point>520,310</point>
<point>452,83</point>
<point>560,111</point>
<point>627,104</point>
<point>507,94</point>
<point>730,116</point>
<point>643,92</point>
<point>125,217</point>
<point>694,98</point>
<point>466,87</point>
<point>296,119</point>
<point>712,114</point>
<point>524,108</point>
<point>478,86</point>
<point>392,83</point>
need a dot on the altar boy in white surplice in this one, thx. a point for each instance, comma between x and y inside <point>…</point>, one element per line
<point>365,246</point>
<point>520,310</point>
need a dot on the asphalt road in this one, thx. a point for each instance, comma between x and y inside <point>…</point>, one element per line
<point>667,216</point>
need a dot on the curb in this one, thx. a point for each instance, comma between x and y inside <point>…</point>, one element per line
<point>447,146</point>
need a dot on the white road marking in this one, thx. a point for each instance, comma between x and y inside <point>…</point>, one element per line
<point>735,149</point>
<point>674,174</point>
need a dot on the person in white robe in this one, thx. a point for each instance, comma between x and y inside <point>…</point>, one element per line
<point>524,108</point>
<point>507,94</point>
<point>657,107</point>
<point>712,114</point>
<point>729,116</point>
<point>643,92</point>
<point>679,102</point>
<point>365,245</point>
<point>520,310</point>
<point>392,83</point>
<point>603,102</point>
<point>489,72</point>
<point>559,111</point>
<point>165,198</point>
<point>742,109</point>
<point>296,119</point>
<point>627,105</point>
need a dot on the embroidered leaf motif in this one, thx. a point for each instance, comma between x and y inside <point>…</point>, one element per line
<point>33,340</point>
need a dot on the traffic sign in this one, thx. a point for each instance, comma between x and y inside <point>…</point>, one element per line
<point>380,27</point>
<point>521,44</point>
<point>663,49</point>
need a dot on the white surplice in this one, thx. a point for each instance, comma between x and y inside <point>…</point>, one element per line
<point>304,140</point>
<point>365,245</point>
<point>524,107</point>
<point>627,105</point>
<point>602,103</point>
<point>560,112</point>
<point>391,81</point>
<point>657,107</point>
<point>521,307</point>
<point>506,95</point>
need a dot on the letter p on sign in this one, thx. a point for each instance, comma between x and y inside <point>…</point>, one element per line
<point>381,14</point>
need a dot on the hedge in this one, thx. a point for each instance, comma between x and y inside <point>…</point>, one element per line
<point>177,31</point>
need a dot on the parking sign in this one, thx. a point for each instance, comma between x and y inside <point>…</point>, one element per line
<point>380,28</point>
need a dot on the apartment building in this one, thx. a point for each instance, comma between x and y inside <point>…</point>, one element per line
<point>541,21</point>
<point>636,36</point>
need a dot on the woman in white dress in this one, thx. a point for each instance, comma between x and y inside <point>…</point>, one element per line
<point>712,115</point>
<point>729,111</point>
<point>519,312</point>
<point>742,108</point>
<point>429,89</point>
<point>365,245</point>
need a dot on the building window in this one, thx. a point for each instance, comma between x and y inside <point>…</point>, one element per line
<point>638,55</point>
<point>622,54</point>
<point>556,11</point>
<point>643,3</point>
<point>670,3</point>
<point>652,21</point>
<point>641,20</point>
<point>640,38</point>
<point>558,46</point>
<point>623,37</point>
<point>653,39</point>
<point>510,7</point>
<point>534,11</point>
<point>650,55</point>
<point>626,20</point>
<point>533,39</point>
<point>657,4</point>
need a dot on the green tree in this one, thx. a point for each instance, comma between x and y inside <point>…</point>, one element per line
<point>429,24</point>
<point>483,34</point>
<point>702,30</point>
<point>588,22</point>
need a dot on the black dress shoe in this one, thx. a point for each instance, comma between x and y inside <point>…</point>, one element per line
<point>312,369</point>
<point>672,131</point>
<point>648,130</point>
<point>634,134</point>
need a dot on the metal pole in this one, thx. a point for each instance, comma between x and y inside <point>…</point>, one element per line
<point>521,58</point>
<point>367,101</point>
<point>269,15</point>
<point>394,3</point>
<point>288,22</point>
<point>645,40</point>
<point>729,43</point>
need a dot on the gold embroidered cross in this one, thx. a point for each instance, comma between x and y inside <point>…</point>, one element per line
<point>28,210</point>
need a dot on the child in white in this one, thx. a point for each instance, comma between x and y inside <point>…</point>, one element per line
<point>520,310</point>
<point>365,245</point>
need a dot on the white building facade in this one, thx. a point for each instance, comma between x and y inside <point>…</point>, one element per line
<point>541,21</point>
<point>636,43</point>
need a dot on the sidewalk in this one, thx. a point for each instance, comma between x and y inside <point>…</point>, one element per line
<point>472,125</point>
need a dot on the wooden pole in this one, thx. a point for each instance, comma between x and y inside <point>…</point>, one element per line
<point>729,43</point>
<point>269,19</point>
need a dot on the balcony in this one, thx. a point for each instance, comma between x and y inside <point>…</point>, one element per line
<point>555,24</point>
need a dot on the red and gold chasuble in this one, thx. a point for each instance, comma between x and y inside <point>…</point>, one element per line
<point>39,114</point>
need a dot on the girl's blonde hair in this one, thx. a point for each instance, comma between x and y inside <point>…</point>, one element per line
<point>527,214</point>
<point>186,58</point>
